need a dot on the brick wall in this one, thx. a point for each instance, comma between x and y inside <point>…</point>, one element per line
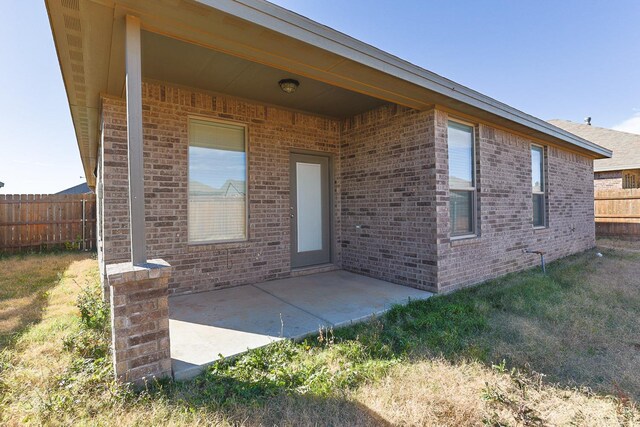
<point>391,180</point>
<point>140,320</point>
<point>272,133</point>
<point>387,171</point>
<point>505,208</point>
<point>608,180</point>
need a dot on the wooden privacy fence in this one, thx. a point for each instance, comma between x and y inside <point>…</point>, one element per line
<point>617,213</point>
<point>45,221</point>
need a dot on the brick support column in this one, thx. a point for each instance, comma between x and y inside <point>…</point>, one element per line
<point>140,320</point>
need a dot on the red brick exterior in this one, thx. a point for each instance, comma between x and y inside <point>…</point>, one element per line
<point>505,208</point>
<point>387,191</point>
<point>272,133</point>
<point>391,180</point>
<point>140,320</point>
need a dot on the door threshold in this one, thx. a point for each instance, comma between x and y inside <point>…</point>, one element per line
<point>310,269</point>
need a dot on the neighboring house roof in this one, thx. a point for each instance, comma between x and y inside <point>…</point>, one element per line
<point>77,189</point>
<point>625,146</point>
<point>233,188</point>
<point>198,188</point>
<point>89,38</point>
<point>230,188</point>
<point>1,184</point>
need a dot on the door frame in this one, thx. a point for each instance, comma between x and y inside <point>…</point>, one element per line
<point>331,202</point>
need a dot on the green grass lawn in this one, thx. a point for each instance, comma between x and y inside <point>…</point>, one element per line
<point>526,349</point>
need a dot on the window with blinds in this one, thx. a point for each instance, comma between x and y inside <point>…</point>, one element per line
<point>538,184</point>
<point>217,182</point>
<point>462,182</point>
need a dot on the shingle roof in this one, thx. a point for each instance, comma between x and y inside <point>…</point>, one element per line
<point>625,146</point>
<point>77,189</point>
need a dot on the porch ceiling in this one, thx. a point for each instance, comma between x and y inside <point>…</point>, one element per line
<point>171,60</point>
<point>335,70</point>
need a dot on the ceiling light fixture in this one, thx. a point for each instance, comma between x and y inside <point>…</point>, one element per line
<point>289,85</point>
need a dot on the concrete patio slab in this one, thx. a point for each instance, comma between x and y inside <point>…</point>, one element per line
<point>227,322</point>
<point>339,297</point>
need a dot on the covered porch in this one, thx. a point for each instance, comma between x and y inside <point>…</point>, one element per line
<point>300,121</point>
<point>228,322</point>
<point>236,142</point>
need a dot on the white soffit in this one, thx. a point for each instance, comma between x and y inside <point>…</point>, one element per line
<point>163,59</point>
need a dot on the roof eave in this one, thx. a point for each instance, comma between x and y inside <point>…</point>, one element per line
<point>393,76</point>
<point>614,168</point>
<point>294,25</point>
<point>88,167</point>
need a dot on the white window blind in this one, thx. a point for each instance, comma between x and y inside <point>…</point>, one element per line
<point>460,156</point>
<point>217,182</point>
<point>461,179</point>
<point>538,186</point>
<point>215,135</point>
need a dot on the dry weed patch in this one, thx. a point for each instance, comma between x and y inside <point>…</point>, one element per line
<point>24,284</point>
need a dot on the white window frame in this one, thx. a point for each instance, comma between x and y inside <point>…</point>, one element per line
<point>545,220</point>
<point>473,189</point>
<point>246,173</point>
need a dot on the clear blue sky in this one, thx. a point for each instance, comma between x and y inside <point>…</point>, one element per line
<point>553,59</point>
